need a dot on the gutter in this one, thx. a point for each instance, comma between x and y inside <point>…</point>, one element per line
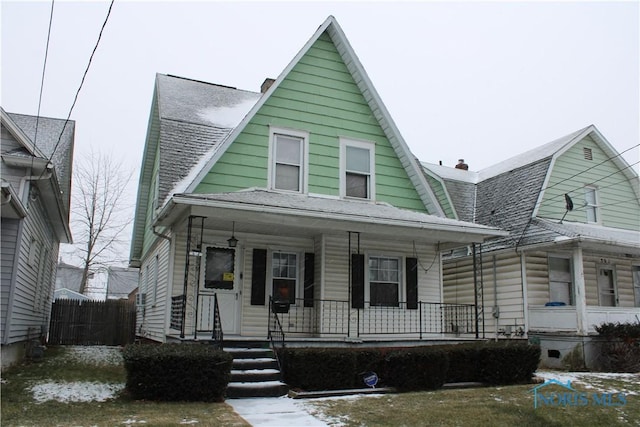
<point>478,230</point>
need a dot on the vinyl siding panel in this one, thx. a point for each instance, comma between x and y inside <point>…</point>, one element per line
<point>318,96</point>
<point>10,230</point>
<point>35,277</point>
<point>459,288</point>
<point>571,172</point>
<point>151,319</point>
<point>537,278</point>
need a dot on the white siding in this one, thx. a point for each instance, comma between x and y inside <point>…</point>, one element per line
<point>459,289</point>
<point>34,281</point>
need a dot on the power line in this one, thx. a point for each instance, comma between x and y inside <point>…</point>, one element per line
<point>44,68</point>
<point>592,182</point>
<point>104,24</point>
<point>592,167</point>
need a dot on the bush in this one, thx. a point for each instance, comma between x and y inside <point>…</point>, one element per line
<point>177,372</point>
<point>464,363</point>
<point>411,368</point>
<point>419,368</point>
<point>620,348</point>
<point>508,362</point>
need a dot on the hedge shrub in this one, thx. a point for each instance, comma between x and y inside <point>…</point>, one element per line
<point>177,372</point>
<point>620,347</point>
<point>508,362</point>
<point>411,368</point>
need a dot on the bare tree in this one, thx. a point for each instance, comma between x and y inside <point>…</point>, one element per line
<point>100,213</point>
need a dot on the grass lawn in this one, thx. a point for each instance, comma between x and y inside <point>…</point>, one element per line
<point>491,406</point>
<point>63,366</point>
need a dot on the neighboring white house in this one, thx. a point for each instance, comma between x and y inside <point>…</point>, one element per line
<point>36,185</point>
<point>571,260</point>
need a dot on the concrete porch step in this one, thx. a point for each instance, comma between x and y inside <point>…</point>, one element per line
<point>254,372</point>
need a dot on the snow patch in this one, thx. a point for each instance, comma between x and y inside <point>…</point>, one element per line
<point>83,391</point>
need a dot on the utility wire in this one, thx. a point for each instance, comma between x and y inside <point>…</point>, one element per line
<point>592,167</point>
<point>44,68</point>
<point>104,24</point>
<point>593,182</point>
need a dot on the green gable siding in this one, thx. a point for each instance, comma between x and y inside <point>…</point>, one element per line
<point>318,96</point>
<point>571,172</point>
<point>439,191</point>
<point>149,237</point>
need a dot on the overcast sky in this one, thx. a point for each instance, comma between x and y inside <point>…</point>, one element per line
<point>481,81</point>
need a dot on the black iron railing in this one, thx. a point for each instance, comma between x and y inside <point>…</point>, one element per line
<point>275,333</point>
<point>217,334</point>
<point>333,317</point>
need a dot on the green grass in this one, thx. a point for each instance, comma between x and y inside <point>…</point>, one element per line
<point>490,406</point>
<point>20,409</point>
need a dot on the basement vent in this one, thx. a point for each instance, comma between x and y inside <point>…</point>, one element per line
<point>588,155</point>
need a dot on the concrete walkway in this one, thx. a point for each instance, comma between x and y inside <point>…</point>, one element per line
<point>274,411</point>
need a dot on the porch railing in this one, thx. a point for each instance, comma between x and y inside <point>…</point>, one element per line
<point>217,335</point>
<point>333,317</point>
<point>275,333</point>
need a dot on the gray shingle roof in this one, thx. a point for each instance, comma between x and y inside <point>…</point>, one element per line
<point>51,140</point>
<point>195,117</point>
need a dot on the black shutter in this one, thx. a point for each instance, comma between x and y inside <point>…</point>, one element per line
<point>412,283</point>
<point>357,281</point>
<point>258,276</point>
<point>309,279</point>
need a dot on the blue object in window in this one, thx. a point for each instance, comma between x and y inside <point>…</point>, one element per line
<point>555,304</point>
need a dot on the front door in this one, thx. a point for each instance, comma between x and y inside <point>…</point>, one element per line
<point>220,279</point>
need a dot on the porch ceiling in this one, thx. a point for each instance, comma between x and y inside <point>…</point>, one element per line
<point>273,213</point>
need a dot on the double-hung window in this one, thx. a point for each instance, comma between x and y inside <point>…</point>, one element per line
<point>357,177</point>
<point>560,280</point>
<point>288,160</point>
<point>284,274</point>
<point>384,281</point>
<point>591,204</point>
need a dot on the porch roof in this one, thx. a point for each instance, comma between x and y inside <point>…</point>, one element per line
<point>598,236</point>
<point>312,214</point>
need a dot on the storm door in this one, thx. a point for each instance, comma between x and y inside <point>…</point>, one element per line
<point>220,279</point>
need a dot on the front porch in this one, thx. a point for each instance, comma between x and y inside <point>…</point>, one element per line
<point>566,318</point>
<point>322,319</point>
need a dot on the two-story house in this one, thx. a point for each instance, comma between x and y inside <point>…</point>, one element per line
<point>305,194</point>
<point>571,260</point>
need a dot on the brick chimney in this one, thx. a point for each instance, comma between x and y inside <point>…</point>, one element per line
<point>462,165</point>
<point>266,84</point>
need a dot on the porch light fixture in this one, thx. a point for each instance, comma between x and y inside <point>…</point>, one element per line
<point>233,242</point>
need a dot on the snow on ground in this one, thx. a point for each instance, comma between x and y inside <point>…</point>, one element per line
<point>80,391</point>
<point>95,355</point>
<point>629,383</point>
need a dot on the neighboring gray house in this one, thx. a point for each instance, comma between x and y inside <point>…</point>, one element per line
<point>36,184</point>
<point>121,281</point>
<point>68,277</point>
<point>571,260</point>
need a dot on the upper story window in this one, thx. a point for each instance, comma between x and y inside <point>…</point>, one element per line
<point>591,204</point>
<point>288,160</point>
<point>357,169</point>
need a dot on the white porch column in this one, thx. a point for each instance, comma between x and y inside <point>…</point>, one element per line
<point>580,291</point>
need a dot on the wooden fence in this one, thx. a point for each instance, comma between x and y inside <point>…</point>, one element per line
<point>111,322</point>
